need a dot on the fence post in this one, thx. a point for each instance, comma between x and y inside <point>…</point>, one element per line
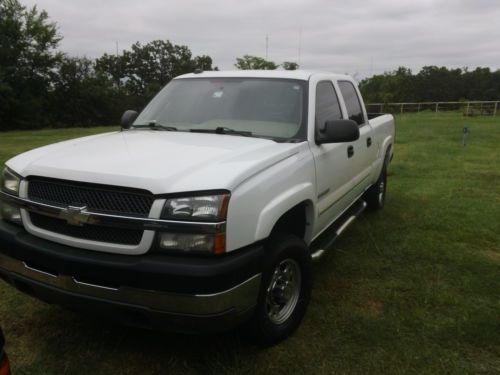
<point>381,108</point>
<point>418,108</point>
<point>495,110</point>
<point>402,104</point>
<point>437,106</point>
<point>468,106</point>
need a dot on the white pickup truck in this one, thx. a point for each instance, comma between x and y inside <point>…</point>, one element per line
<point>206,210</point>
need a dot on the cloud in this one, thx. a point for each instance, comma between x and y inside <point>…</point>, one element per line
<point>358,36</point>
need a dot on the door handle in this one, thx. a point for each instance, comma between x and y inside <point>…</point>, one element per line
<point>368,141</point>
<point>350,151</point>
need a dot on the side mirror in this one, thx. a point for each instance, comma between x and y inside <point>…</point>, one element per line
<point>338,131</point>
<point>128,118</point>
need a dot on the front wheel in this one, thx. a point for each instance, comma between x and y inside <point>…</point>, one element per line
<point>285,290</point>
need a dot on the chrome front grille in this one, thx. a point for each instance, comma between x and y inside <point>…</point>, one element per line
<point>96,198</point>
<point>87,232</point>
<point>99,198</point>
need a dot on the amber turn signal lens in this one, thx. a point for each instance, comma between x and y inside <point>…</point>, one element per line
<point>220,243</point>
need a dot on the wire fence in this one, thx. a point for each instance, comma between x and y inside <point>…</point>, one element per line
<point>471,108</point>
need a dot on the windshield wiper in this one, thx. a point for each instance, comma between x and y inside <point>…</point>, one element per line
<point>223,130</point>
<point>153,125</point>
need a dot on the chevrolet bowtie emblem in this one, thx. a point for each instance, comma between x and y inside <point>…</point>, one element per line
<point>74,215</point>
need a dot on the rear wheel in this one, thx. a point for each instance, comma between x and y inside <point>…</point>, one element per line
<point>285,290</point>
<point>375,195</point>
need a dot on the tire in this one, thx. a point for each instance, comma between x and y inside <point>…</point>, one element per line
<point>280,308</point>
<point>375,195</point>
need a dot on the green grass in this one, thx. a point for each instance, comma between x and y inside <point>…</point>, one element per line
<point>414,289</point>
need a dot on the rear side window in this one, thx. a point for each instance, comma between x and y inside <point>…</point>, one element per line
<point>352,102</point>
<point>327,104</point>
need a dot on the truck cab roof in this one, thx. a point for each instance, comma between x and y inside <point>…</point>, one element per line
<point>287,74</point>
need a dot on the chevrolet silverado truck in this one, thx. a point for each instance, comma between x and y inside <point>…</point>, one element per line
<point>206,210</point>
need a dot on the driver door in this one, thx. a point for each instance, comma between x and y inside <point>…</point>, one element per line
<point>334,169</point>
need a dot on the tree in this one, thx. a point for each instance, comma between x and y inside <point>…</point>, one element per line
<point>289,65</point>
<point>248,62</point>
<point>28,56</point>
<point>431,84</point>
<point>81,96</point>
<point>114,67</point>
<point>203,62</point>
<point>40,86</point>
<point>142,71</point>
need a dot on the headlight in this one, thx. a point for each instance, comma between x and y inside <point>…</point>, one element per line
<point>10,182</point>
<point>201,208</point>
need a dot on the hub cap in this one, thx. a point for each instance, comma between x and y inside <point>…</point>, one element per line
<point>283,291</point>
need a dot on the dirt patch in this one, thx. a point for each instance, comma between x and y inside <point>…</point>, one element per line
<point>492,255</point>
<point>375,308</point>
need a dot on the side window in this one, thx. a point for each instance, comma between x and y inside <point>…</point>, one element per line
<point>352,102</point>
<point>327,104</point>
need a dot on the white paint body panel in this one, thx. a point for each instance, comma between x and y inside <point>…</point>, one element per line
<point>265,178</point>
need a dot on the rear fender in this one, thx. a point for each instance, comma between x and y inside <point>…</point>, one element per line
<point>385,153</point>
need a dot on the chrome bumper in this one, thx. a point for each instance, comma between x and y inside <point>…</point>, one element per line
<point>240,298</point>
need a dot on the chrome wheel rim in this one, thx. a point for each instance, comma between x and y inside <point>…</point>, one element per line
<point>283,291</point>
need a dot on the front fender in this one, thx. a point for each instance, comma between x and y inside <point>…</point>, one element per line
<point>258,203</point>
<point>281,204</point>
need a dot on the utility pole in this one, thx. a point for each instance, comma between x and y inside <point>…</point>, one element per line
<point>116,48</point>
<point>267,46</point>
<point>300,45</point>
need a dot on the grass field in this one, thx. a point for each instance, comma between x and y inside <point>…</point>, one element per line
<point>414,289</point>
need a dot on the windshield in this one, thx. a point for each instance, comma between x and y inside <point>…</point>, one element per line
<point>269,108</point>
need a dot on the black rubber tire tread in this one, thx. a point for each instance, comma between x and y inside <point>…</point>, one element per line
<point>279,247</point>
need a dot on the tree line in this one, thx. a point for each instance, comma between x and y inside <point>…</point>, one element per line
<point>43,87</point>
<point>432,84</point>
<point>40,86</point>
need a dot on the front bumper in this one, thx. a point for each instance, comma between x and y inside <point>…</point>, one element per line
<point>181,293</point>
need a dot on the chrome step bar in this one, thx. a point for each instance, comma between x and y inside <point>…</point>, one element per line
<point>327,238</point>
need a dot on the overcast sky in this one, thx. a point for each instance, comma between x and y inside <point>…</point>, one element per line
<point>362,37</point>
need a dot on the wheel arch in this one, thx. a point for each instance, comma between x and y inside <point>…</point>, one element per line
<point>291,212</point>
<point>387,149</point>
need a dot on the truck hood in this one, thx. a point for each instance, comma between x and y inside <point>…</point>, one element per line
<point>159,161</point>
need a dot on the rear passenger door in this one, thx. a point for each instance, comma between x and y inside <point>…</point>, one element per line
<point>364,149</point>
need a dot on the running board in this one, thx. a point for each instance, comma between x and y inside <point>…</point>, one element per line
<point>328,237</point>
